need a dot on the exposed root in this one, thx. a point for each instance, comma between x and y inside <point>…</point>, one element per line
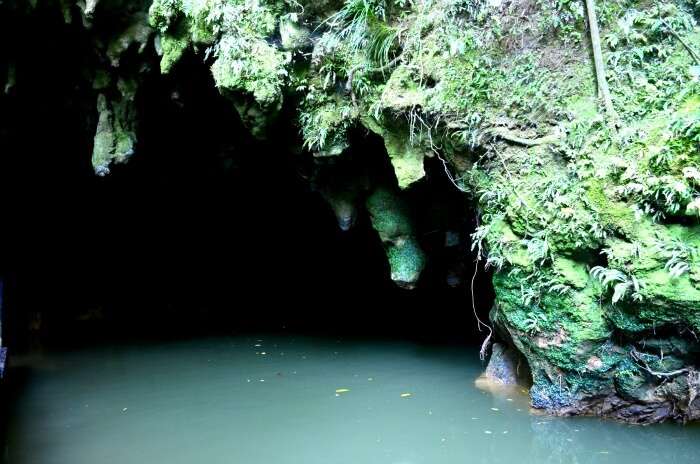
<point>636,356</point>
<point>479,323</point>
<point>511,137</point>
<point>693,54</point>
<point>448,173</point>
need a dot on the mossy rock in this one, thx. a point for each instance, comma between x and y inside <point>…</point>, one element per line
<point>406,260</point>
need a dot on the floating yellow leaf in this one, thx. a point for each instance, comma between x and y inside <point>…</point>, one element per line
<point>405,395</point>
<point>342,390</point>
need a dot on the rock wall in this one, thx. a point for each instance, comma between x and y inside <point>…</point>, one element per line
<point>588,209</point>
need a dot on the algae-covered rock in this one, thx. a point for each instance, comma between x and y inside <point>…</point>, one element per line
<point>115,135</point>
<point>237,34</point>
<point>391,219</point>
<point>406,159</point>
<point>406,260</point>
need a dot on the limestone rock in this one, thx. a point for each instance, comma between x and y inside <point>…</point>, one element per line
<point>391,219</point>
<point>503,365</point>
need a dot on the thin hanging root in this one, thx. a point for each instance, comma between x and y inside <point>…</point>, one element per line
<point>485,346</point>
<point>487,341</point>
<point>479,322</point>
<point>448,173</point>
<point>637,357</point>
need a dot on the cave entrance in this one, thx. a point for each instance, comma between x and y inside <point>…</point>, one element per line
<point>207,229</point>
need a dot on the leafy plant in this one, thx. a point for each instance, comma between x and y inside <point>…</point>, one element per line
<point>656,195</point>
<point>362,26</point>
<point>678,255</point>
<point>538,249</point>
<point>535,321</point>
<point>623,285</point>
<point>559,288</point>
<point>646,74</point>
<point>688,127</point>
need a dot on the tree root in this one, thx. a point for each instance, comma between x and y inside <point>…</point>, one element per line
<point>511,137</point>
<point>635,355</point>
<point>693,54</point>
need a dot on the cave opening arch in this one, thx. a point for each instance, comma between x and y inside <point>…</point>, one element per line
<point>207,228</point>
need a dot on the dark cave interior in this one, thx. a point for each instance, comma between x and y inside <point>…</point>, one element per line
<point>205,229</point>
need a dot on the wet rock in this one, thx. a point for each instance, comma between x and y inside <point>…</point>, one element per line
<point>115,135</point>
<point>3,359</point>
<point>342,184</point>
<point>407,158</point>
<point>391,218</point>
<point>503,365</point>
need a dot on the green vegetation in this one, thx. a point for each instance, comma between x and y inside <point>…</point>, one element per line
<point>585,173</point>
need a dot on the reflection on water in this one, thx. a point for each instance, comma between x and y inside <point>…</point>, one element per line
<point>282,400</point>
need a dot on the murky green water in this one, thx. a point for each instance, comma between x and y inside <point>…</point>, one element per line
<point>273,400</point>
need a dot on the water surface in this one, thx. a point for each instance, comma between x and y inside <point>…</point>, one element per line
<point>285,399</point>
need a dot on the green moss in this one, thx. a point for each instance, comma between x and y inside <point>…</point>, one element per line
<point>102,79</point>
<point>104,141</point>
<point>245,61</point>
<point>163,13</point>
<point>389,214</point>
<point>563,329</point>
<point>325,123</point>
<point>401,92</point>
<point>257,69</point>
<point>406,260</point>
<point>173,47</point>
<point>512,106</point>
<point>115,134</point>
<point>406,156</point>
<point>629,380</point>
<point>391,219</point>
<point>617,216</point>
<point>572,272</point>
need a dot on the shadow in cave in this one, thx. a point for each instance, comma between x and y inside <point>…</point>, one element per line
<point>204,230</point>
